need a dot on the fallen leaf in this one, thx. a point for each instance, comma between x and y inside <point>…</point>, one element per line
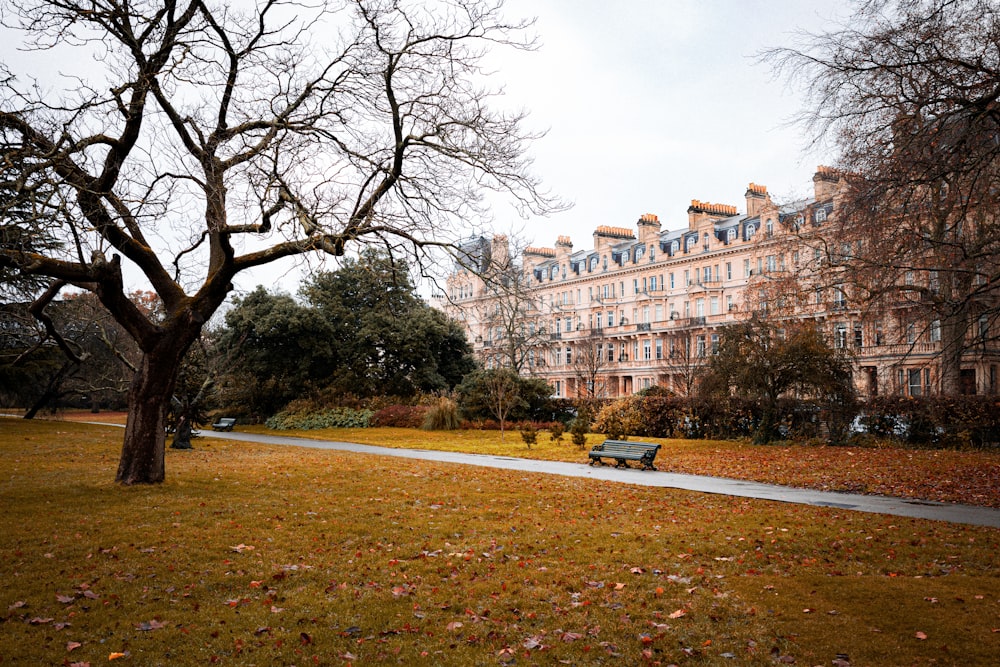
<point>65,599</point>
<point>920,635</point>
<point>116,656</point>
<point>72,646</point>
<point>146,626</point>
<point>678,613</point>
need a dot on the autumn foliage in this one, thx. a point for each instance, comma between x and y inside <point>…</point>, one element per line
<point>276,555</point>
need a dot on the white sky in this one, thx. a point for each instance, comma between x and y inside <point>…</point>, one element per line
<point>652,104</point>
<point>648,104</point>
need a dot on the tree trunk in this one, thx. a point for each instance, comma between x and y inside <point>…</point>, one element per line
<point>953,331</point>
<point>182,436</point>
<point>142,460</point>
<point>52,389</point>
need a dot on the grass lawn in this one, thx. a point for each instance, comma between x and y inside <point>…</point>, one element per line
<point>254,555</point>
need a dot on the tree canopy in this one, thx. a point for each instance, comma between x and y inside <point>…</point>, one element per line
<point>764,361</point>
<point>199,140</point>
<point>360,331</point>
<point>907,95</point>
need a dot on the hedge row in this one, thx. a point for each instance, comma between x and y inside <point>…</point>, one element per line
<point>331,418</point>
<point>963,421</point>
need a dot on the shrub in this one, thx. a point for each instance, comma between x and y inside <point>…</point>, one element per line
<point>529,434</point>
<point>581,425</point>
<point>556,431</point>
<point>442,416</point>
<point>332,418</point>
<point>401,416</point>
<point>621,418</point>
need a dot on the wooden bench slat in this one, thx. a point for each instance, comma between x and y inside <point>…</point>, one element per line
<point>625,450</point>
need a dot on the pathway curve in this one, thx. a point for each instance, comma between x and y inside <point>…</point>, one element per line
<point>919,509</point>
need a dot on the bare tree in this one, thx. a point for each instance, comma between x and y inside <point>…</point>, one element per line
<point>908,95</point>
<point>591,361</point>
<point>685,360</point>
<point>211,139</point>
<point>509,313</point>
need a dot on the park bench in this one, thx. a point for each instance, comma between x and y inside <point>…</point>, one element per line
<point>624,451</point>
<point>224,424</point>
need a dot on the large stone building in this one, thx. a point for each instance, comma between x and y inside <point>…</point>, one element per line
<point>645,307</point>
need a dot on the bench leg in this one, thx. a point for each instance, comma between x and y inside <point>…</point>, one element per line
<point>622,463</point>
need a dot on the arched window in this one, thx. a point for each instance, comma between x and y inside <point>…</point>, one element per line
<point>751,230</point>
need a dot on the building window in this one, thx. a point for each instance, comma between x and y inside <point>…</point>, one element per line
<point>935,332</point>
<point>858,336</point>
<point>659,348</point>
<point>751,230</point>
<point>772,263</point>
<point>699,308</point>
<point>729,303</point>
<point>647,349</point>
<point>731,235</point>
<point>820,215</point>
<point>707,274</point>
<point>729,270</point>
<point>839,298</point>
<point>911,333</point>
<point>714,306</point>
<point>715,343</point>
<point>914,382</point>
<point>611,318</point>
<point>569,355</point>
<point>769,228</point>
<point>746,268</point>
<point>840,336</point>
<point>700,346</point>
<point>671,276</point>
<point>658,312</point>
<point>635,286</point>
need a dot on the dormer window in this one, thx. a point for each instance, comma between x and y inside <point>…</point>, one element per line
<point>820,215</point>
<point>731,235</point>
<point>690,242</point>
<point>593,262</point>
<point>638,253</point>
<point>751,230</point>
<point>769,228</point>
<point>675,247</point>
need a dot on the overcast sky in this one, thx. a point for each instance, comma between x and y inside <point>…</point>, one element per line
<point>649,105</point>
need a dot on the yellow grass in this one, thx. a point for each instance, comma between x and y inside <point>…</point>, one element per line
<point>253,555</point>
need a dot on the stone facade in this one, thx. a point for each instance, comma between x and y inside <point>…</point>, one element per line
<point>646,306</point>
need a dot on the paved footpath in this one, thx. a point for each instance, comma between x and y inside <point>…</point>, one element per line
<point>919,509</point>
